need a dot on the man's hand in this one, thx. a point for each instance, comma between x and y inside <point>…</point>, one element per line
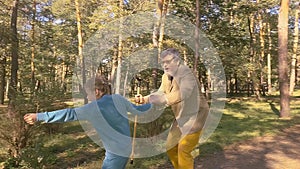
<point>30,118</point>
<point>139,99</point>
<point>157,99</point>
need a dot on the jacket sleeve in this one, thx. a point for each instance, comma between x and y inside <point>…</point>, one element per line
<point>121,102</point>
<point>58,116</point>
<point>161,90</point>
<point>138,109</point>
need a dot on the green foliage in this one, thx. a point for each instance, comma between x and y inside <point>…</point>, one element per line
<point>9,163</point>
<point>37,157</point>
<point>15,135</point>
<point>31,157</point>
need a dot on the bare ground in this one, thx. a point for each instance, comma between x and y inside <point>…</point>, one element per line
<point>270,152</point>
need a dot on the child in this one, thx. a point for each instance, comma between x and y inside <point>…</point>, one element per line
<point>108,115</point>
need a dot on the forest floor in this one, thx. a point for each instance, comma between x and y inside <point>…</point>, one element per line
<point>269,152</point>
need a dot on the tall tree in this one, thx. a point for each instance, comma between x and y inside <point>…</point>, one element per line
<point>269,59</point>
<point>283,59</point>
<point>2,77</point>
<point>14,57</point>
<point>159,12</point>
<point>4,39</point>
<point>197,35</point>
<point>80,46</point>
<point>262,46</point>
<point>12,93</point>
<point>33,45</point>
<point>158,34</point>
<point>252,73</point>
<point>4,43</point>
<point>295,48</point>
<point>162,18</point>
<point>120,50</point>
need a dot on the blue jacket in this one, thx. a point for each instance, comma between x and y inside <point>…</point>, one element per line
<point>107,115</point>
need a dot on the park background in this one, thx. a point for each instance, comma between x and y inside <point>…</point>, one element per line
<point>42,45</point>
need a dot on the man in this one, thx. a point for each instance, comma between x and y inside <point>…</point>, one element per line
<point>180,90</point>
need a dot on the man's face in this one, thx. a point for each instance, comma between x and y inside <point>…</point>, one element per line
<point>169,64</point>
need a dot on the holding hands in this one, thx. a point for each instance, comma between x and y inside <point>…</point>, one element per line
<point>30,118</point>
<point>139,99</point>
<point>155,98</point>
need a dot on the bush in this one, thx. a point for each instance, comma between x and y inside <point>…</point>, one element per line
<point>31,157</point>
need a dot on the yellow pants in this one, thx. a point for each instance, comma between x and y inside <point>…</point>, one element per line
<point>180,155</point>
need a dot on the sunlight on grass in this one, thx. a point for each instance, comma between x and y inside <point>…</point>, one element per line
<point>244,120</point>
<point>254,133</point>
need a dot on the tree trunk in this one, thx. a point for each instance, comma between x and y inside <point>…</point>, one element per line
<point>120,52</point>
<point>269,59</point>
<point>3,58</point>
<point>119,61</point>
<point>2,78</point>
<point>12,114</point>
<point>114,65</point>
<point>33,47</point>
<point>283,59</point>
<point>197,36</point>
<point>298,69</point>
<point>250,27</point>
<point>80,47</point>
<point>185,58</point>
<point>159,9</point>
<point>253,81</point>
<point>294,56</point>
<point>14,52</point>
<point>158,35</point>
<point>162,27</point>
<point>262,48</point>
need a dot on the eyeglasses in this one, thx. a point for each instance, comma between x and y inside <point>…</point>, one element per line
<point>167,61</point>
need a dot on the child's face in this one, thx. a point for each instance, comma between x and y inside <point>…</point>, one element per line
<point>91,95</point>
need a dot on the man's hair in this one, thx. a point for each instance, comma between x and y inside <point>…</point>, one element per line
<point>170,51</point>
<point>98,82</point>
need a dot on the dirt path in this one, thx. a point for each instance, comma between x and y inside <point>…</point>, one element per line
<point>277,152</point>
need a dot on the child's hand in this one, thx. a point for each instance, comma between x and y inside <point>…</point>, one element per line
<point>30,118</point>
<point>139,99</point>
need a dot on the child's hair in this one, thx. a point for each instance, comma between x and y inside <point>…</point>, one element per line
<point>98,82</point>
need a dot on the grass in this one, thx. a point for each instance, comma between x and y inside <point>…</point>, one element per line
<point>245,120</point>
<point>241,120</point>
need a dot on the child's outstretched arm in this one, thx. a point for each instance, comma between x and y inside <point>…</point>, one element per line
<point>58,116</point>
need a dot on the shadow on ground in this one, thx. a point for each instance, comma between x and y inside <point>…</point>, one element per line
<point>277,152</point>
